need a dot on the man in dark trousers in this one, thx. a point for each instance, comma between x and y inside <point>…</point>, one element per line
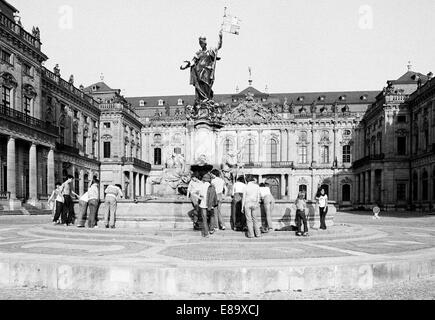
<point>68,215</point>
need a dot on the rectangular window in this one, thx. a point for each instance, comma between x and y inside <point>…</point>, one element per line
<point>107,152</point>
<point>401,119</point>
<point>346,154</point>
<point>27,69</point>
<point>93,147</point>
<point>401,191</point>
<point>62,135</point>
<point>303,156</point>
<point>106,125</point>
<point>324,154</point>
<point>6,97</point>
<point>85,145</point>
<point>6,57</point>
<point>75,139</point>
<point>27,105</point>
<point>401,146</point>
<point>177,150</point>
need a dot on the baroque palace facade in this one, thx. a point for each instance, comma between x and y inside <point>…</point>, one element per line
<point>365,148</point>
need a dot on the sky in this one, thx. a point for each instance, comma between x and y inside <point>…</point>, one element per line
<point>291,46</point>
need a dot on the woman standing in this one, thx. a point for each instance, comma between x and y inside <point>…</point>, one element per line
<point>94,203</point>
<point>323,208</point>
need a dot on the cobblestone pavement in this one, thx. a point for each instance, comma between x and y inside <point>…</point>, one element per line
<point>355,235</point>
<point>422,289</point>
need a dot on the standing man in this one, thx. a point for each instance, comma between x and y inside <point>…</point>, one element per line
<point>238,219</point>
<point>301,208</point>
<point>323,208</point>
<point>251,206</point>
<point>68,215</point>
<point>113,193</point>
<point>219,185</point>
<point>206,205</point>
<point>94,203</point>
<point>193,191</point>
<point>269,205</point>
<point>202,70</point>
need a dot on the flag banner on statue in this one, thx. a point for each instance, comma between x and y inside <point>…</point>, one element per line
<point>231,24</point>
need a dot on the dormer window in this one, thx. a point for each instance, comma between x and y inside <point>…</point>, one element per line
<point>94,88</point>
<point>264,100</point>
<point>141,103</point>
<point>342,98</point>
<point>301,98</point>
<point>161,102</point>
<point>180,102</point>
<point>364,97</point>
<point>322,98</point>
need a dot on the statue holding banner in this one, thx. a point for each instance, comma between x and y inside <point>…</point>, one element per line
<point>202,70</point>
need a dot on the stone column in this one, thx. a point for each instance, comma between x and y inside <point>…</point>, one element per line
<point>283,186</point>
<point>288,145</point>
<point>137,185</point>
<point>367,188</point>
<point>188,147</point>
<point>11,169</point>
<point>131,186</point>
<point>372,186</point>
<point>143,183</point>
<point>50,172</point>
<point>334,152</point>
<point>361,188</point>
<point>33,175</point>
<point>148,186</point>
<point>356,189</point>
<point>82,182</point>
<point>290,185</point>
<point>383,187</point>
<point>281,145</point>
<point>314,147</point>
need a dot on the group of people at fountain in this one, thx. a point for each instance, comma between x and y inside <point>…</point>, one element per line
<point>61,201</point>
<point>248,199</point>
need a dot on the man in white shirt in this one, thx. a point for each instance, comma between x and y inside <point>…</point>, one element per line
<point>203,193</point>
<point>193,191</point>
<point>94,203</point>
<point>251,206</point>
<point>113,193</point>
<point>83,210</point>
<point>220,187</point>
<point>238,219</point>
<point>269,205</point>
<point>323,208</point>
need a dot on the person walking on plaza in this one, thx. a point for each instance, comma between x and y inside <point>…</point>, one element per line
<point>207,205</point>
<point>113,193</point>
<point>94,203</point>
<point>193,191</point>
<point>220,187</point>
<point>238,219</point>
<point>323,208</point>
<point>269,205</point>
<point>68,215</point>
<point>56,200</point>
<point>251,207</point>
<point>301,207</point>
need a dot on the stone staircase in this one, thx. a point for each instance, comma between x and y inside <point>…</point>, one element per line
<point>26,210</point>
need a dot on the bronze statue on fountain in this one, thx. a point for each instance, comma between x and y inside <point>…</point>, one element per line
<point>202,77</point>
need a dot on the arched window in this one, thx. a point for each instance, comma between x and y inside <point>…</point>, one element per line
<point>249,152</point>
<point>415,186</point>
<point>272,151</point>
<point>157,156</point>
<point>228,146</point>
<point>347,154</point>
<point>425,186</point>
<point>303,188</point>
<point>326,188</point>
<point>141,103</point>
<point>86,182</point>
<point>77,182</point>
<point>345,193</point>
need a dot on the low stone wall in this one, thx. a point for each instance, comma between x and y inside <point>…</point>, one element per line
<point>178,212</point>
